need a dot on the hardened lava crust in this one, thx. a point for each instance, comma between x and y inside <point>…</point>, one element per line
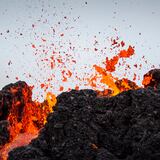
<point>85,126</point>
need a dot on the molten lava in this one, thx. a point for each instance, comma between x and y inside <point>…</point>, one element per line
<point>125,84</point>
<point>25,117</point>
<point>152,78</point>
<point>110,64</point>
<point>107,79</point>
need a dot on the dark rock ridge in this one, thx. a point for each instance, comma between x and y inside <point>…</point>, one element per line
<point>84,126</point>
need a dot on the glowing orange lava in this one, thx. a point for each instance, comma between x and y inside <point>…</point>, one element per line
<point>33,116</point>
<point>26,118</point>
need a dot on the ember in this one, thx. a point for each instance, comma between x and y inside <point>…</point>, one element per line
<point>110,64</point>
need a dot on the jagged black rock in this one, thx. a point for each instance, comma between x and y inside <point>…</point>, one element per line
<point>84,126</point>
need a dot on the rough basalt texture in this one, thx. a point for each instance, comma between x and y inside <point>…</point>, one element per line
<point>4,132</point>
<point>84,126</point>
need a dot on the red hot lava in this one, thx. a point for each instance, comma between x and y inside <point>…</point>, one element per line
<point>26,117</point>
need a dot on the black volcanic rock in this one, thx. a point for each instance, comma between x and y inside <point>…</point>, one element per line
<point>84,126</point>
<point>4,132</point>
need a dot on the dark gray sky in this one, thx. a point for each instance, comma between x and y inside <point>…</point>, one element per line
<point>136,22</point>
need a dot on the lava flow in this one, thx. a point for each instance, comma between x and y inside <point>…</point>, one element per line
<point>21,118</point>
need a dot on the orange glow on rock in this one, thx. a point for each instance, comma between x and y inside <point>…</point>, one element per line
<point>26,117</point>
<point>146,80</point>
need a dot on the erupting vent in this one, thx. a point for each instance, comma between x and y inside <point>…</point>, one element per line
<point>77,90</point>
<point>85,125</point>
<point>21,118</point>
